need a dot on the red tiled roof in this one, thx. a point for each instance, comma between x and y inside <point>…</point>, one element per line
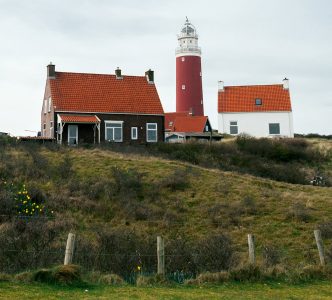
<point>79,119</point>
<point>242,98</point>
<point>170,119</point>
<point>83,92</point>
<point>182,122</point>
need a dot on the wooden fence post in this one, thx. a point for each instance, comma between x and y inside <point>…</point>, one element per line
<point>161,255</point>
<point>69,249</point>
<point>251,246</point>
<point>320,246</point>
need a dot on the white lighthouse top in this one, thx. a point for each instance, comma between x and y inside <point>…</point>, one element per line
<point>188,41</point>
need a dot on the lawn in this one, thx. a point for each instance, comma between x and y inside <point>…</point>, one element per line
<point>321,290</point>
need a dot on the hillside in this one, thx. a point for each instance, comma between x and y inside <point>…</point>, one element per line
<point>118,203</point>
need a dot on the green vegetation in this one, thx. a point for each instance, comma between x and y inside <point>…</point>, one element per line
<point>314,291</point>
<point>118,203</point>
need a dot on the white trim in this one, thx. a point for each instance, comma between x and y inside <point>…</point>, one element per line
<point>147,135</point>
<point>132,130</point>
<point>114,122</point>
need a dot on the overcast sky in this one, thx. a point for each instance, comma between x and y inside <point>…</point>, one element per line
<point>242,41</point>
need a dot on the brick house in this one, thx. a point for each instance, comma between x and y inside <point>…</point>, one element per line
<point>256,110</point>
<point>93,108</point>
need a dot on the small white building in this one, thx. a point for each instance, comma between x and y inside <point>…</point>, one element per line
<point>256,110</point>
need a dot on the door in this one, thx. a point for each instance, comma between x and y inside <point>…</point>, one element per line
<point>72,134</point>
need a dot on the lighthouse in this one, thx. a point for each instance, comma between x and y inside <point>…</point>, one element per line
<point>189,93</point>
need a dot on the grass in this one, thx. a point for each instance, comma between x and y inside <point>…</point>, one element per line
<point>317,291</point>
<point>210,201</point>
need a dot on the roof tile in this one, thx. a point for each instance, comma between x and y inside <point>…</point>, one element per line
<point>242,98</point>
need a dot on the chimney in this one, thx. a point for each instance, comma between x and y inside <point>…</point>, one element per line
<point>51,71</point>
<point>285,83</point>
<point>221,87</point>
<point>149,76</point>
<point>118,73</point>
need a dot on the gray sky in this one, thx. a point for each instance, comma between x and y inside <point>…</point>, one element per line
<point>243,42</point>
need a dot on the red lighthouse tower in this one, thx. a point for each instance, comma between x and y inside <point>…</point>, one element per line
<point>189,93</point>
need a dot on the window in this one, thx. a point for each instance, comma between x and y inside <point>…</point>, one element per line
<point>233,129</point>
<point>113,131</point>
<point>258,101</point>
<point>183,58</point>
<point>207,128</point>
<point>45,106</point>
<point>72,134</point>
<point>51,129</point>
<point>49,104</point>
<point>183,87</point>
<point>274,128</point>
<point>151,132</point>
<point>134,133</point>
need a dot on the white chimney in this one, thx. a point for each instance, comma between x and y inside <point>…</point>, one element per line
<point>285,83</point>
<point>220,86</point>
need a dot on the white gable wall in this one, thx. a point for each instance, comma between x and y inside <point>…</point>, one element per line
<point>257,123</point>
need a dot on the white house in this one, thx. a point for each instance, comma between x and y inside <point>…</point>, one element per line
<point>257,110</point>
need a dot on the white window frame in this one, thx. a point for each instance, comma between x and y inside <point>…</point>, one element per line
<point>147,132</point>
<point>45,106</point>
<point>114,122</point>
<point>51,129</point>
<point>68,136</point>
<point>49,104</point>
<point>183,86</point>
<point>183,58</point>
<point>134,129</point>
<point>233,125</point>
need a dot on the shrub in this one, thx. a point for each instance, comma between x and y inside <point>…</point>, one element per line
<point>177,181</point>
<point>248,272</point>
<point>214,253</point>
<point>326,230</point>
<point>179,256</point>
<point>5,277</point>
<point>299,212</point>
<point>215,278</point>
<point>271,255</point>
<point>152,280</point>
<point>310,273</point>
<point>64,275</point>
<point>111,279</point>
<point>24,277</point>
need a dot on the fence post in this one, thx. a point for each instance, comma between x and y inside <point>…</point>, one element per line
<point>320,246</point>
<point>251,246</point>
<point>69,249</point>
<point>161,255</point>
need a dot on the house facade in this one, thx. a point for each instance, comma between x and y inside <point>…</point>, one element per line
<point>94,108</point>
<point>256,110</point>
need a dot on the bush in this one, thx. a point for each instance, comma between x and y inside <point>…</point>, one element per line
<point>152,280</point>
<point>271,255</point>
<point>245,273</point>
<point>64,275</point>
<point>299,212</point>
<point>310,273</point>
<point>214,253</point>
<point>326,230</point>
<point>111,279</point>
<point>5,277</point>
<point>24,277</point>
<point>214,278</point>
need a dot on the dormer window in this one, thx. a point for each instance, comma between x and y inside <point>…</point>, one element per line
<point>258,101</point>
